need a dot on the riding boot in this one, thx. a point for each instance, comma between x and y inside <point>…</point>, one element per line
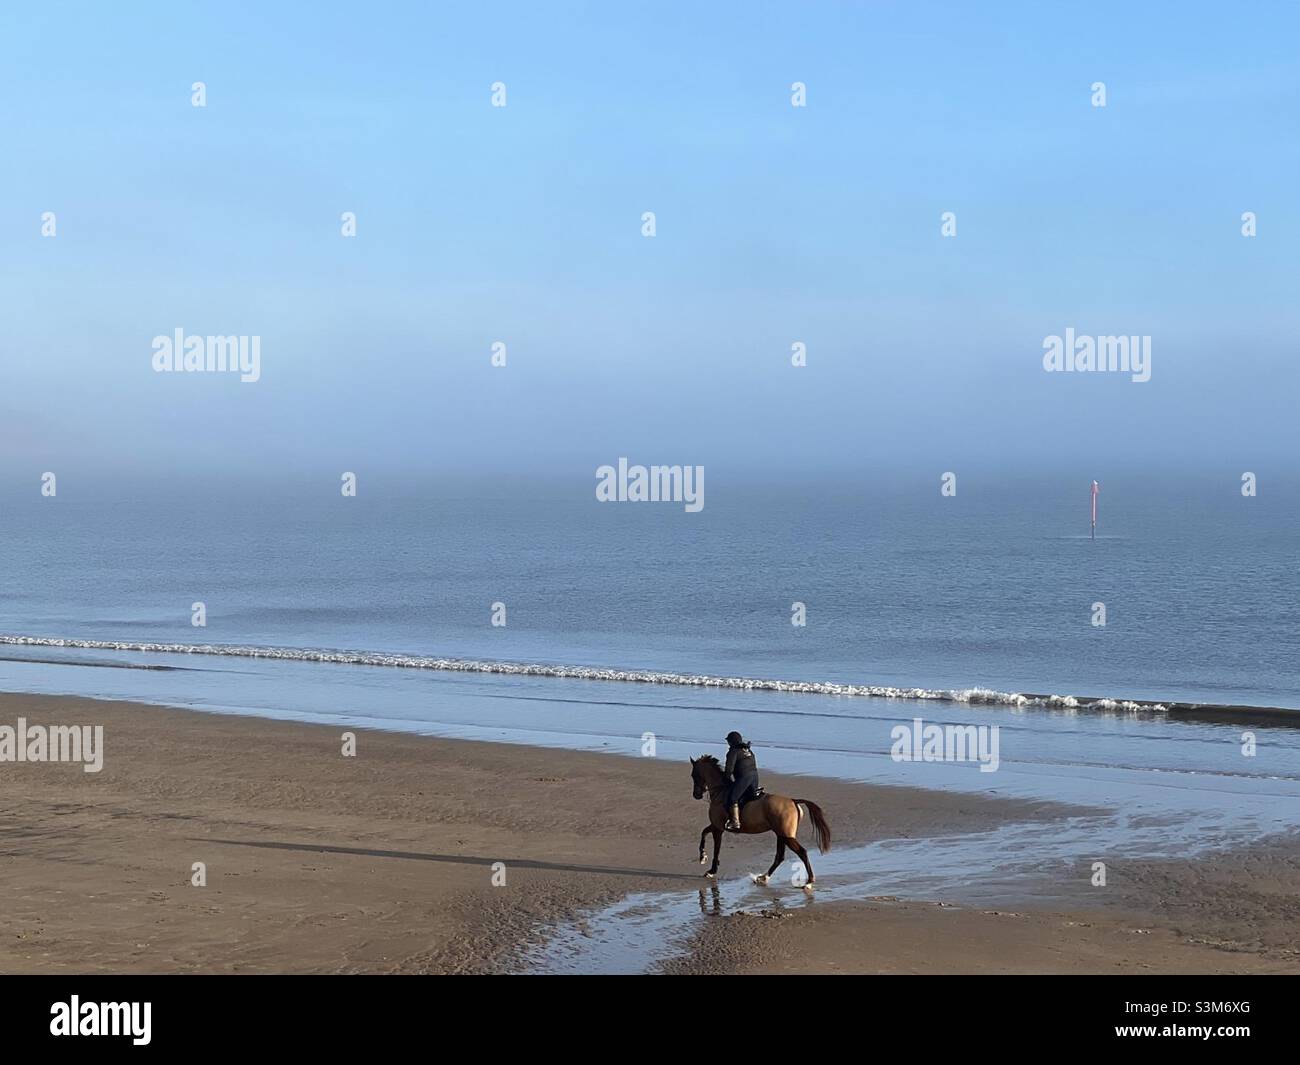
<point>735,816</point>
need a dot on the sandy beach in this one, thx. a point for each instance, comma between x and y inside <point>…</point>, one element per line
<point>385,863</point>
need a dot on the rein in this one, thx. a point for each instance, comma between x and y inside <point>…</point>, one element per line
<point>713,789</point>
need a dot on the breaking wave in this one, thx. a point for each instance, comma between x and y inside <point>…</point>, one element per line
<point>976,696</point>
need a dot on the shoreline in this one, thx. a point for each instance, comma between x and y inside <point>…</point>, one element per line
<point>1202,712</point>
<point>1232,913</point>
<point>384,862</point>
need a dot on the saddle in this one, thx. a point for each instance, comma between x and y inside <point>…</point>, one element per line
<point>751,795</point>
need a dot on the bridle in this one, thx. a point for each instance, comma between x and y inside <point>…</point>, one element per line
<point>701,787</point>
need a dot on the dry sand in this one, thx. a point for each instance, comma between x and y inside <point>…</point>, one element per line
<point>384,862</point>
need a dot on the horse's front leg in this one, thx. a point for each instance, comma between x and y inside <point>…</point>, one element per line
<point>717,845</point>
<point>707,829</point>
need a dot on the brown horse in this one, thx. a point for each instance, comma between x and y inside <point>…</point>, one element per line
<point>771,813</point>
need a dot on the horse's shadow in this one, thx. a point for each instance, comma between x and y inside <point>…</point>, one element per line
<point>455,859</point>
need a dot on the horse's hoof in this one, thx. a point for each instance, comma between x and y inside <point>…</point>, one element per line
<point>703,860</point>
<point>760,878</point>
<point>808,887</point>
<point>710,876</point>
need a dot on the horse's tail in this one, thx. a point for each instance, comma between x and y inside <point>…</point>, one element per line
<point>821,827</point>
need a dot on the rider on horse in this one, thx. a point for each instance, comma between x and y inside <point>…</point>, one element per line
<point>741,775</point>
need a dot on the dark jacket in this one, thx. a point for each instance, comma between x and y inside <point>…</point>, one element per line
<point>741,763</point>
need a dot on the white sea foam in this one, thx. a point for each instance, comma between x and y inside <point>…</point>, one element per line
<point>976,696</point>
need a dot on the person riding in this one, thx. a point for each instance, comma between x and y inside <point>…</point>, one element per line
<point>741,775</point>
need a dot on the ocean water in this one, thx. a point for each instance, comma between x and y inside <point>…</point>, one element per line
<point>991,589</point>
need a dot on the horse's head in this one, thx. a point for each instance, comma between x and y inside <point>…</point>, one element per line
<point>704,774</point>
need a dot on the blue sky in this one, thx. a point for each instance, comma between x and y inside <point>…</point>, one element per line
<point>775,224</point>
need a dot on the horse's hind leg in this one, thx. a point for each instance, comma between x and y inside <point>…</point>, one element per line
<point>780,857</point>
<point>798,848</point>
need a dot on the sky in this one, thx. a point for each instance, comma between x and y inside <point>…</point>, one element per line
<point>522,225</point>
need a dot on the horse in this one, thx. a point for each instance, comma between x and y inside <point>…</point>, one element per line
<point>769,813</point>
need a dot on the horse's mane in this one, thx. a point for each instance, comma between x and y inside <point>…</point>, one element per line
<point>711,759</point>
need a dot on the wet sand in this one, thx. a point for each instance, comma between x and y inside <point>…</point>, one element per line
<point>1236,913</point>
<point>385,862</point>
